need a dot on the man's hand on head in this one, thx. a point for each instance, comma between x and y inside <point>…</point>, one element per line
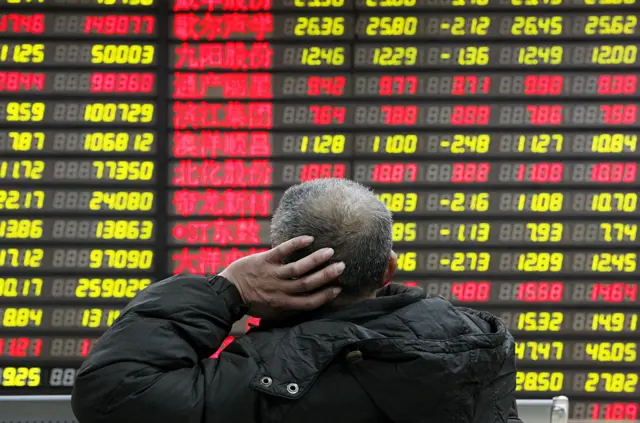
<point>268,286</point>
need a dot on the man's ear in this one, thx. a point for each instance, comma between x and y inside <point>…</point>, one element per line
<point>391,268</point>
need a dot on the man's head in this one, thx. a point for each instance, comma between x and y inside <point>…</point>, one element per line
<point>343,215</point>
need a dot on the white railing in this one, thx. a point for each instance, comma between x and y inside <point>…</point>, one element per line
<point>57,409</point>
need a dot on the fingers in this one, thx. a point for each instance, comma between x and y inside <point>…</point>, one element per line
<point>310,302</point>
<point>316,280</point>
<point>279,253</point>
<point>305,264</point>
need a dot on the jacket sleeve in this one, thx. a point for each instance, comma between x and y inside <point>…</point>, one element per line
<point>152,365</point>
<point>513,413</point>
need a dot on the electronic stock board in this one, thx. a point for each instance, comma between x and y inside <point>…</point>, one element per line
<point>143,138</point>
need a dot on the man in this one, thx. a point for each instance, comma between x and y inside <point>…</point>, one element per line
<point>334,345</point>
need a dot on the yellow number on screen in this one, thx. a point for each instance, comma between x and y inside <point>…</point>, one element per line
<point>110,54</point>
<point>473,56</point>
<point>407,261</point>
<point>319,26</point>
<point>399,202</point>
<point>404,231</point>
<point>17,377</point>
<point>392,25</point>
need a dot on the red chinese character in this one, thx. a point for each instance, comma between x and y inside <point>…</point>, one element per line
<point>211,114</point>
<point>235,5</point>
<point>210,4</point>
<point>186,115</point>
<point>185,5</point>
<point>260,86</point>
<point>184,26</point>
<point>212,55</point>
<point>211,26</point>
<point>236,115</point>
<point>185,144</point>
<point>247,231</point>
<point>235,56</point>
<point>235,144</point>
<point>235,86</point>
<point>186,57</point>
<point>260,144</point>
<point>193,5</point>
<point>234,173</point>
<point>213,80</point>
<point>246,5</point>
<point>185,262</point>
<point>261,24</point>
<point>235,23</point>
<point>259,203</point>
<point>186,86</point>
<point>210,144</point>
<point>260,173</point>
<point>211,205</point>
<point>210,260</point>
<point>260,55</point>
<point>185,202</point>
<point>234,203</point>
<point>185,173</point>
<point>223,232</point>
<point>260,115</point>
<point>210,171</point>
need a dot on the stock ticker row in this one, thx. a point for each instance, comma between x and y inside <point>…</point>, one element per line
<point>144,138</point>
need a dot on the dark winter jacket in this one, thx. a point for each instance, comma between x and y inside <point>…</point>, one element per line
<point>399,358</point>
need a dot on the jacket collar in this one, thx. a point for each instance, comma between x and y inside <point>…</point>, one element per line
<point>314,339</point>
<point>388,299</point>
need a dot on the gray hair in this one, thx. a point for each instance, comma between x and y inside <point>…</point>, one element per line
<point>343,215</point>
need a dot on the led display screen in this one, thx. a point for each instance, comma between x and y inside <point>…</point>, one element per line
<point>141,139</point>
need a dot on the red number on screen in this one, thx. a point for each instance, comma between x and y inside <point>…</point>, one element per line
<point>614,292</point>
<point>541,172</point>
<point>400,115</point>
<point>17,81</point>
<point>619,114</point>
<point>615,411</point>
<point>545,115</point>
<point>111,82</point>
<point>321,171</point>
<point>470,84</point>
<point>614,172</point>
<point>22,24</point>
<point>532,292</point>
<point>398,85</point>
<point>326,115</point>
<point>119,24</point>
<point>86,347</point>
<point>20,347</point>
<point>543,84</point>
<point>394,173</point>
<point>470,115</point>
<point>470,172</point>
<point>617,84</point>
<point>331,85</point>
<point>471,291</point>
